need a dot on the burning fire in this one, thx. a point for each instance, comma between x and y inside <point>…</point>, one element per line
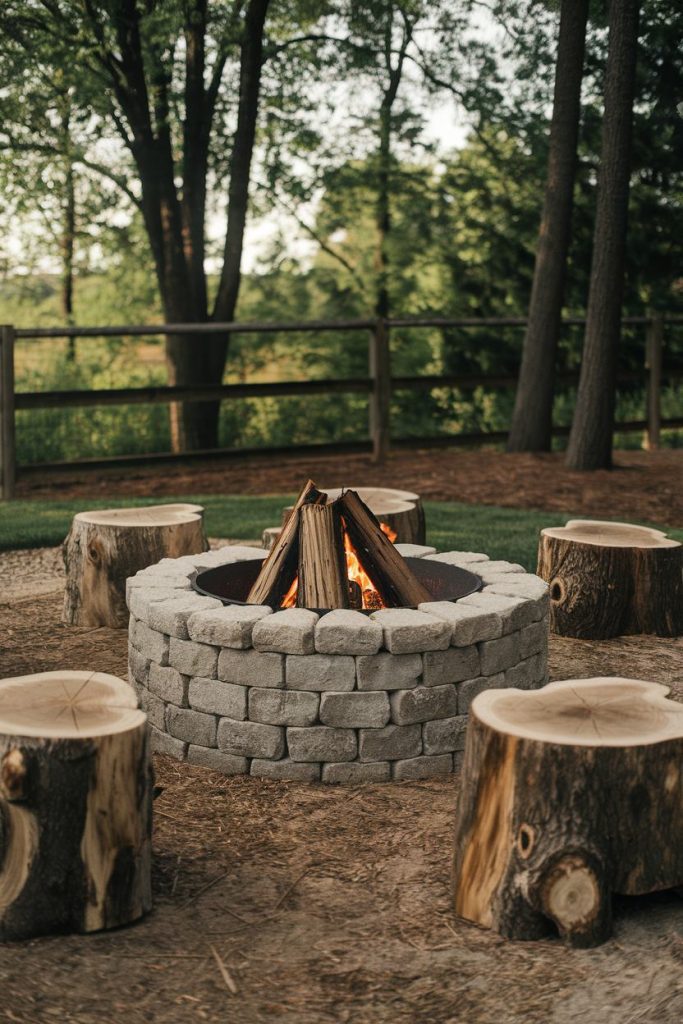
<point>356,574</point>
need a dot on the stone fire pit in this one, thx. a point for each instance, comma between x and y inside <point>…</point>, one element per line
<point>342,697</point>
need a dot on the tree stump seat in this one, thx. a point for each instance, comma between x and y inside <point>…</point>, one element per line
<point>609,579</point>
<point>75,804</point>
<point>569,794</point>
<point>106,546</point>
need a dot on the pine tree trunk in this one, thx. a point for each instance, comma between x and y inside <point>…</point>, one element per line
<point>590,440</point>
<point>531,428</point>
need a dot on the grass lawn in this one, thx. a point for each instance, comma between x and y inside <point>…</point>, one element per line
<point>509,533</point>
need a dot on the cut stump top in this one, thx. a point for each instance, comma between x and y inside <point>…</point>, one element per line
<point>610,535</point>
<point>150,515</point>
<point>67,705</point>
<point>601,712</point>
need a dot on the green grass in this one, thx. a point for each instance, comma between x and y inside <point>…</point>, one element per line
<point>509,533</point>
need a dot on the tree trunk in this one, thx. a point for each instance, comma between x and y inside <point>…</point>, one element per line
<point>569,794</point>
<point>104,548</point>
<point>531,428</point>
<point>75,805</point>
<point>590,440</point>
<point>611,579</point>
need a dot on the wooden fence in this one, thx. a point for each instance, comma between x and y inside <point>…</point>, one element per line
<point>378,385</point>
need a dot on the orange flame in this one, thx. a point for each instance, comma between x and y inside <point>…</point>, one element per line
<point>355,573</point>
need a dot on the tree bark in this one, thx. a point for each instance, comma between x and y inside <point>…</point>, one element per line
<point>104,548</point>
<point>569,793</point>
<point>402,511</point>
<point>611,579</point>
<point>75,805</point>
<point>323,581</point>
<point>531,428</point>
<point>590,440</point>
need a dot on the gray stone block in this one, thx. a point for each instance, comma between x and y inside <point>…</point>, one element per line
<point>469,625</point>
<point>423,704</point>
<point>291,631</point>
<point>445,735</point>
<point>154,708</point>
<point>191,726</point>
<point>320,672</point>
<point>451,666</point>
<point>161,743</point>
<point>251,668</point>
<point>283,707</point>
<point>458,761</point>
<point>408,631</point>
<point>172,616</point>
<point>294,771</point>
<point>498,655</point>
<point>168,684</point>
<point>347,632</point>
<point>422,767</point>
<point>386,671</point>
<point>414,550</point>
<point>354,772</point>
<point>176,582</point>
<point>251,739</point>
<point>320,742</point>
<point>138,667</point>
<point>148,641</point>
<point>533,639</point>
<point>369,710</point>
<point>531,588</point>
<point>218,698</point>
<point>494,569</point>
<point>217,760</point>
<point>142,600</point>
<point>229,626</point>
<point>390,743</point>
<point>462,558</point>
<point>514,612</point>
<point>191,658</point>
<point>468,690</point>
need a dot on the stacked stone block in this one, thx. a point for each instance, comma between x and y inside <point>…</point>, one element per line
<point>342,698</point>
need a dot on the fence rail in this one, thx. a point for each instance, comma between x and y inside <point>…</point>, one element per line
<point>378,385</point>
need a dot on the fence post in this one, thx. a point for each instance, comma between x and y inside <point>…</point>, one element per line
<point>7,445</point>
<point>653,362</point>
<point>380,396</point>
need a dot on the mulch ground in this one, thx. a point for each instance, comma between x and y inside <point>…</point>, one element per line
<point>642,485</point>
<point>325,905</point>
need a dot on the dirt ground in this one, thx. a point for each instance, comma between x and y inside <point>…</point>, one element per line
<point>323,904</point>
<point>642,485</point>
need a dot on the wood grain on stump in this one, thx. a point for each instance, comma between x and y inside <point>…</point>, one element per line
<point>75,804</point>
<point>570,793</point>
<point>105,547</point>
<point>610,579</point>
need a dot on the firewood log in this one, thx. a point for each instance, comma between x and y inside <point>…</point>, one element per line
<point>389,572</point>
<point>569,794</point>
<point>402,511</point>
<point>608,579</point>
<point>75,804</point>
<point>280,567</point>
<point>105,547</point>
<point>323,580</point>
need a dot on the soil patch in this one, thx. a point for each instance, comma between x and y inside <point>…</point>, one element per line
<point>642,485</point>
<point>323,905</point>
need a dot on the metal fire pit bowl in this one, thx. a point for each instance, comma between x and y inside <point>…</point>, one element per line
<point>232,583</point>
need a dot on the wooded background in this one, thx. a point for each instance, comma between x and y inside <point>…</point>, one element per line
<point>408,144</point>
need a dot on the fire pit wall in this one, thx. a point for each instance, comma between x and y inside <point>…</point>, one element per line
<point>339,698</point>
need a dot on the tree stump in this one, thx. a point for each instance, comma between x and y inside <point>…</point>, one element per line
<point>609,579</point>
<point>75,804</point>
<point>570,793</point>
<point>402,511</point>
<point>105,547</point>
